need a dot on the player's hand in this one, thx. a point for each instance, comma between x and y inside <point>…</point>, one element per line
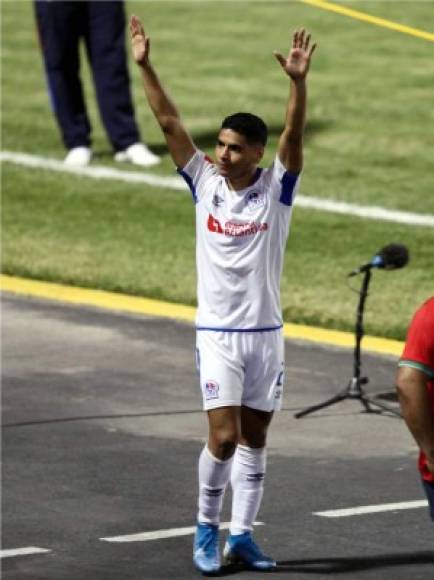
<point>140,43</point>
<point>296,65</point>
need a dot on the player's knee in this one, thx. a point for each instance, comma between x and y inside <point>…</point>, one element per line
<point>223,443</point>
<point>253,435</point>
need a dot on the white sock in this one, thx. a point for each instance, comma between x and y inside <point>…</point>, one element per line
<point>214,476</point>
<point>247,477</point>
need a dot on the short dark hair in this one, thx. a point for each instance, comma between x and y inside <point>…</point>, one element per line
<point>252,127</point>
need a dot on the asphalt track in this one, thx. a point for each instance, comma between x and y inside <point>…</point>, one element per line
<point>102,429</point>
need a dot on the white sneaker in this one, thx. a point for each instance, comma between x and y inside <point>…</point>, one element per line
<point>138,154</point>
<point>78,157</point>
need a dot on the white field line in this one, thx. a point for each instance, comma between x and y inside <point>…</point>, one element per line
<point>366,211</point>
<point>95,172</point>
<point>22,552</point>
<point>328,205</point>
<point>372,509</point>
<point>162,534</point>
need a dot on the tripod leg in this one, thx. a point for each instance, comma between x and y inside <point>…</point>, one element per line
<point>365,403</point>
<point>355,391</point>
<point>339,397</point>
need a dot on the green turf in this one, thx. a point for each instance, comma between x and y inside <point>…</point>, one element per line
<point>369,140</point>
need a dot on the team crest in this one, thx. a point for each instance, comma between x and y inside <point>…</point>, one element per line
<point>255,200</point>
<point>211,390</point>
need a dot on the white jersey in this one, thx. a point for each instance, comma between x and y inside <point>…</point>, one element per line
<point>240,245</point>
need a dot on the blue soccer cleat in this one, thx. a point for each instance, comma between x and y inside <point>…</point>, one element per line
<point>206,555</point>
<point>242,549</point>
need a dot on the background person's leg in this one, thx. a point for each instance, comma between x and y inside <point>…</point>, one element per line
<point>429,490</point>
<point>59,25</point>
<point>105,41</point>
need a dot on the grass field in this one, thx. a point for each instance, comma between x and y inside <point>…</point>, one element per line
<point>370,139</point>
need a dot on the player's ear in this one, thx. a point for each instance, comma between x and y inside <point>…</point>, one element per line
<point>259,152</point>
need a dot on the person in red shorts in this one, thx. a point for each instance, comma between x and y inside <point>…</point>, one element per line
<point>415,386</point>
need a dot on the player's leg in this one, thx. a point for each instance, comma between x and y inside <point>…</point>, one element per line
<point>247,481</point>
<point>261,397</point>
<point>248,470</point>
<point>214,471</point>
<point>221,390</point>
<point>215,462</point>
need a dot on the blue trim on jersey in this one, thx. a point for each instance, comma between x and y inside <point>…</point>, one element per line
<point>256,176</point>
<point>189,182</point>
<point>288,183</point>
<point>267,329</point>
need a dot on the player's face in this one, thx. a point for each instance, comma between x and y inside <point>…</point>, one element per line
<point>235,156</point>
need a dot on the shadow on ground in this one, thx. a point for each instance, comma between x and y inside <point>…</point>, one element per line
<point>353,564</point>
<point>341,565</point>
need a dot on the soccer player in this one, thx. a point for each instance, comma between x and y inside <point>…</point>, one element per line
<point>243,215</point>
<point>415,385</point>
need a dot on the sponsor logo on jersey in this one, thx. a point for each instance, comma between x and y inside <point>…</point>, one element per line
<point>214,225</point>
<point>255,200</point>
<point>211,390</point>
<point>217,200</point>
<point>235,229</point>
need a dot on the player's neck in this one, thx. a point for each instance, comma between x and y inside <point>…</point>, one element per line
<point>238,183</point>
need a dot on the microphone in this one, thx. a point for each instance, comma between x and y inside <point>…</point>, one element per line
<point>390,257</point>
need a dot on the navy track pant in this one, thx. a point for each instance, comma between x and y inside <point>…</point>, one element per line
<point>429,490</point>
<point>101,24</point>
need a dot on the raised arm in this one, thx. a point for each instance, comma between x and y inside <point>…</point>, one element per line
<point>179,142</point>
<point>296,66</point>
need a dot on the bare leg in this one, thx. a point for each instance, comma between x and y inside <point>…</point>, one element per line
<point>224,431</point>
<point>254,427</point>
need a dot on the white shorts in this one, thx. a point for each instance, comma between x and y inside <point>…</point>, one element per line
<point>241,368</point>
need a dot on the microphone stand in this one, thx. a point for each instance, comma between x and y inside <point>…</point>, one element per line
<point>354,389</point>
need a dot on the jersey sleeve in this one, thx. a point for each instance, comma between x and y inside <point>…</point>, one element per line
<point>196,173</point>
<point>283,183</point>
<point>419,347</point>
